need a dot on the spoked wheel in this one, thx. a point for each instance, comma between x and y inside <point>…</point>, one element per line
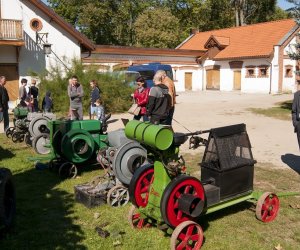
<point>27,140</point>
<point>182,200</point>
<point>118,196</point>
<point>267,207</point>
<point>9,132</point>
<point>140,185</point>
<point>187,235</point>
<point>135,219</point>
<point>68,170</point>
<point>41,144</point>
<point>15,137</point>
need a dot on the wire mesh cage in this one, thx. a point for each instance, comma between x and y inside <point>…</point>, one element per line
<point>228,148</point>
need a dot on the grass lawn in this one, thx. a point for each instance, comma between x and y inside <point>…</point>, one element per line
<point>49,218</point>
<point>281,111</point>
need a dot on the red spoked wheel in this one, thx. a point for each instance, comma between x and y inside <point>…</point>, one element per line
<point>135,219</point>
<point>140,184</point>
<point>181,186</point>
<point>267,207</point>
<point>187,235</point>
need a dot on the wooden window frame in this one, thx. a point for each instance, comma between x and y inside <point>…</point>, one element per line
<point>248,69</point>
<point>260,70</point>
<point>288,71</point>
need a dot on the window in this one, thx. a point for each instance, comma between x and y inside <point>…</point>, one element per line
<point>250,71</point>
<point>263,71</point>
<point>288,71</point>
<point>36,24</point>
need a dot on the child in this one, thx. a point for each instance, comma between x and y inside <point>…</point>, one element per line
<point>47,103</point>
<point>99,110</point>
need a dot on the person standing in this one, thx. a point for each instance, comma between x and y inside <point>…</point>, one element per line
<point>75,92</point>
<point>23,92</point>
<point>99,110</point>
<point>47,104</point>
<point>172,92</point>
<point>296,113</point>
<point>95,95</point>
<point>4,99</point>
<point>34,92</point>
<point>159,102</point>
<point>141,96</point>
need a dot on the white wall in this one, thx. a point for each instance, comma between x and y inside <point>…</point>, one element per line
<point>11,9</point>
<point>32,57</point>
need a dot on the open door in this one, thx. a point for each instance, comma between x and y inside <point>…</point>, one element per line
<point>12,80</point>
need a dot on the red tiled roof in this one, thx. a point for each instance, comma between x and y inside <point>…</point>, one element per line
<point>255,40</point>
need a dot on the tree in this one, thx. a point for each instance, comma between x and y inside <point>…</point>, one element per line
<point>158,28</point>
<point>294,52</point>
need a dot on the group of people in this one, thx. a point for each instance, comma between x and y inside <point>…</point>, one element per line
<point>28,97</point>
<point>75,93</point>
<point>157,104</point>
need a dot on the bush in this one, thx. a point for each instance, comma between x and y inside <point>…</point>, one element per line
<point>115,93</point>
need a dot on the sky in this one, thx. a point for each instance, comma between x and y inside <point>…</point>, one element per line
<point>283,4</point>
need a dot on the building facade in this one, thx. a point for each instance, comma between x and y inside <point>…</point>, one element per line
<point>35,39</point>
<point>252,59</point>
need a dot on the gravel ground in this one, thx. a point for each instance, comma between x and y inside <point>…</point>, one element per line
<point>273,141</point>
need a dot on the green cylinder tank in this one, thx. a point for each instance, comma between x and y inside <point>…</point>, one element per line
<point>156,136</point>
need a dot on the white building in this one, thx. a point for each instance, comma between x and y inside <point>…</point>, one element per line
<point>250,58</point>
<point>27,28</point>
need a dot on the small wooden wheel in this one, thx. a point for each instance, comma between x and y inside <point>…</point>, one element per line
<point>267,207</point>
<point>135,219</point>
<point>187,235</point>
<point>118,196</point>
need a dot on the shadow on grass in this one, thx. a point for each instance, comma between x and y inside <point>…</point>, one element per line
<point>4,153</point>
<point>293,161</point>
<point>286,105</point>
<point>45,215</point>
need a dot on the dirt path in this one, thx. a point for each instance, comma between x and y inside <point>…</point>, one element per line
<point>273,140</point>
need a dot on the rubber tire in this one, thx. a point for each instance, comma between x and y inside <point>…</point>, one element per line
<point>7,199</point>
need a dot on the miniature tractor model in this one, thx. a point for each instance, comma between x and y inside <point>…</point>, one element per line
<point>120,160</point>
<point>164,195</point>
<point>74,143</point>
<point>20,129</point>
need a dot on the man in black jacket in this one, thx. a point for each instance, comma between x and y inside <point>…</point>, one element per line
<point>296,114</point>
<point>4,98</point>
<point>159,102</point>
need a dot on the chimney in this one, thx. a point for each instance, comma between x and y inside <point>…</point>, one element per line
<point>194,31</point>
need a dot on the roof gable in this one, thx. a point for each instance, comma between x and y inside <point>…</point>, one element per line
<point>255,40</point>
<point>83,40</point>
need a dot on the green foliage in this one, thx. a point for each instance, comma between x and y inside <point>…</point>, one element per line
<point>115,94</point>
<point>159,23</point>
<point>158,28</point>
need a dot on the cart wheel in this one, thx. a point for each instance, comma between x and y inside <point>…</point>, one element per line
<point>40,144</point>
<point>140,184</point>
<point>15,136</point>
<point>179,188</point>
<point>187,235</point>
<point>28,140</point>
<point>68,170</point>
<point>9,132</point>
<point>135,219</point>
<point>21,137</point>
<point>118,196</point>
<point>267,207</point>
